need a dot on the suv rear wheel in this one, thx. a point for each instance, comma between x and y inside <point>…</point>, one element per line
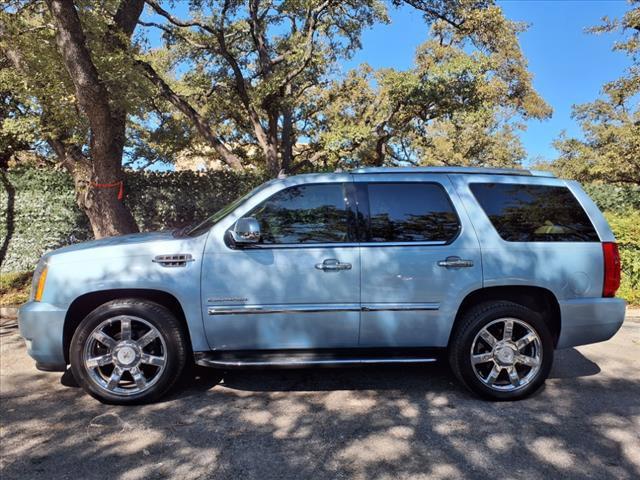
<point>502,350</point>
<point>128,351</point>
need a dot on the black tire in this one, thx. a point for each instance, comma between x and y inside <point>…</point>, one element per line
<point>482,315</point>
<point>174,349</point>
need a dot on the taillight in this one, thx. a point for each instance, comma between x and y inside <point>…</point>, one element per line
<point>611,269</point>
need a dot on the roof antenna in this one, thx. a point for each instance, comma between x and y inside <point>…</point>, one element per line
<point>282,174</point>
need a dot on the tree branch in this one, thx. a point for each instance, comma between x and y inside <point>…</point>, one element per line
<point>202,126</point>
<point>256,28</point>
<point>176,21</point>
<point>127,15</point>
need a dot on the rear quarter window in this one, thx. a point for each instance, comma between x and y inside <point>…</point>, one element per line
<point>534,213</point>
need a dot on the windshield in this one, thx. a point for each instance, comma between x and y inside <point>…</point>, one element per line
<point>223,212</point>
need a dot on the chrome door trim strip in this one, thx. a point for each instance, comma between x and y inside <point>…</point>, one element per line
<point>295,363</point>
<point>255,309</point>
<point>370,307</point>
<point>398,307</point>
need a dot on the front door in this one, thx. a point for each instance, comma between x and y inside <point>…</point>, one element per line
<point>299,287</point>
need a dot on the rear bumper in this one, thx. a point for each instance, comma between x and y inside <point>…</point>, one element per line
<point>42,326</point>
<point>590,320</point>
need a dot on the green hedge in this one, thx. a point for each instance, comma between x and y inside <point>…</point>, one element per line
<point>626,226</point>
<point>614,198</point>
<point>46,214</point>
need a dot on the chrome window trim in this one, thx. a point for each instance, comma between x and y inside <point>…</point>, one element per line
<point>371,307</point>
<point>405,244</point>
<point>346,245</point>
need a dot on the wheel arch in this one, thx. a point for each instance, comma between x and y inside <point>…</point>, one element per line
<point>536,298</point>
<point>86,303</point>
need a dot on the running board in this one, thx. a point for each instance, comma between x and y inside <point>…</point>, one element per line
<point>301,361</point>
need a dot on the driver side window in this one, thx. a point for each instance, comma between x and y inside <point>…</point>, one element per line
<point>316,213</point>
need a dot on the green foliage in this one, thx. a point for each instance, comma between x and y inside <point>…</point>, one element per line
<point>247,66</point>
<point>457,105</point>
<point>614,198</point>
<point>175,199</point>
<point>14,288</point>
<point>626,227</point>
<point>46,215</point>
<point>263,79</point>
<point>43,100</point>
<point>610,149</point>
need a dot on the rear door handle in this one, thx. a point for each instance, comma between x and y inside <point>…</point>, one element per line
<point>455,262</point>
<point>331,264</point>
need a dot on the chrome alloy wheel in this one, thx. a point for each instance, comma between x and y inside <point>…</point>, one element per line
<point>125,355</point>
<point>506,354</point>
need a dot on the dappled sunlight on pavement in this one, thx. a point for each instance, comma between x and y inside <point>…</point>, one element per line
<point>359,423</point>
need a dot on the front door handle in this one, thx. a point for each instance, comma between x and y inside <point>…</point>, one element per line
<point>455,262</point>
<point>331,265</point>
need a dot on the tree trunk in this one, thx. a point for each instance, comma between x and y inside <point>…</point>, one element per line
<point>271,147</point>
<point>101,205</point>
<point>381,148</point>
<point>107,214</point>
<point>287,133</point>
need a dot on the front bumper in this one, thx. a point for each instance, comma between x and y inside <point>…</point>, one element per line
<point>590,320</point>
<point>42,326</point>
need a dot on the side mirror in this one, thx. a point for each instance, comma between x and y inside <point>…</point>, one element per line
<point>246,231</point>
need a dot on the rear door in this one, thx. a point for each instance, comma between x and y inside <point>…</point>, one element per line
<point>420,257</point>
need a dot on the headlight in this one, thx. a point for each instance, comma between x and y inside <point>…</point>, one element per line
<point>39,279</point>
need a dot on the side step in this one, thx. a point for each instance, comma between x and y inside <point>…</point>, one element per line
<point>301,360</point>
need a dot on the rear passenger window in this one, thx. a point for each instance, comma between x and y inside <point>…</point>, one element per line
<point>534,213</point>
<point>410,212</point>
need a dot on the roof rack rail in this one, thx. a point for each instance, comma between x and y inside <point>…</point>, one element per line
<point>464,170</point>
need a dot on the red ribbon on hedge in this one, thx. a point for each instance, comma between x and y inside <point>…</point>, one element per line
<point>111,185</point>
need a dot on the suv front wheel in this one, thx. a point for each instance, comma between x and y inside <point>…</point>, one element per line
<point>501,350</point>
<point>128,351</point>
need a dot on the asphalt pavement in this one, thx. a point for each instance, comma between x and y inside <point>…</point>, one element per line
<point>361,423</point>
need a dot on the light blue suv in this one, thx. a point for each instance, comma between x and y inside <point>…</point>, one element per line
<point>493,268</point>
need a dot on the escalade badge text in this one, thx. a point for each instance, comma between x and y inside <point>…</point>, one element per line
<point>226,299</point>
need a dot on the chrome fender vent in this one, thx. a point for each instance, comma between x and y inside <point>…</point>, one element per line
<point>175,260</point>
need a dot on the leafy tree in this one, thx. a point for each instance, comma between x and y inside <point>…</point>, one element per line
<point>453,107</point>
<point>248,66</point>
<point>610,149</point>
<point>262,75</point>
<point>68,69</point>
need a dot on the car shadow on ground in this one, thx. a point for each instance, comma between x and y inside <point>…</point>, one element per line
<point>569,363</point>
<point>366,423</point>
